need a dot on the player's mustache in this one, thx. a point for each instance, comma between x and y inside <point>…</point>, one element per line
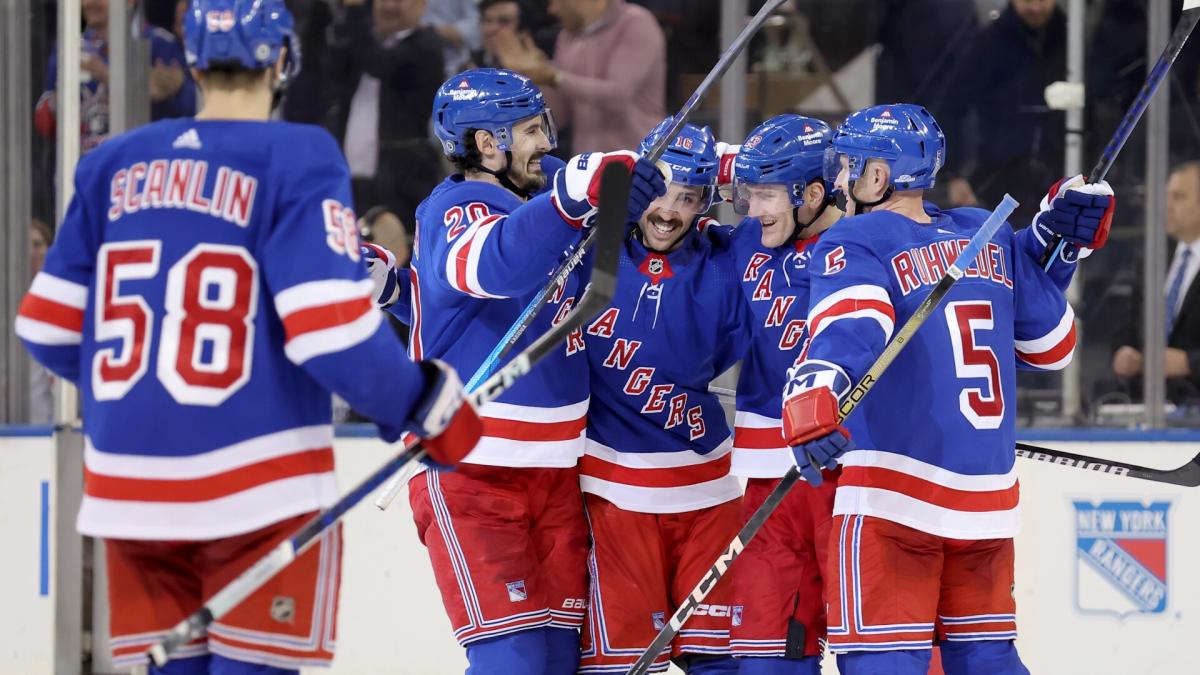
<point>673,222</point>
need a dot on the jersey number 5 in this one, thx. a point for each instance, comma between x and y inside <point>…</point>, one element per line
<point>983,407</point>
<point>205,347</point>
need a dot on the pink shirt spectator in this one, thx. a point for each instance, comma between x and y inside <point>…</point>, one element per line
<point>612,79</point>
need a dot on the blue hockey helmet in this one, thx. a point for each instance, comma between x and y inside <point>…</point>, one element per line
<point>240,33</point>
<point>903,134</point>
<point>691,156</point>
<point>487,99</point>
<point>787,150</point>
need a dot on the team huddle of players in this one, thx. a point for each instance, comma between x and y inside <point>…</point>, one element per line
<point>210,305</point>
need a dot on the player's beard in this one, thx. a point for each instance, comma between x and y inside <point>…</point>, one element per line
<point>528,175</point>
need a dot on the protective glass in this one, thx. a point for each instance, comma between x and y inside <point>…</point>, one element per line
<point>761,199</point>
<point>684,198</point>
<point>506,135</point>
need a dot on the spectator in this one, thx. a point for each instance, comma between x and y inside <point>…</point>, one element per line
<point>1181,294</point>
<point>456,22</point>
<point>41,380</point>
<point>304,100</point>
<point>172,92</point>
<point>607,82</point>
<point>496,17</point>
<point>689,27</point>
<point>911,66</point>
<point>1000,86</point>
<point>382,80</point>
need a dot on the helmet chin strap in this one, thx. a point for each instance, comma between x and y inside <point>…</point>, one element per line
<point>865,207</point>
<point>503,177</point>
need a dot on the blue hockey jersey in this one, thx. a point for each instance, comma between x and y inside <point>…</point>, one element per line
<point>657,440</point>
<point>205,292</point>
<point>775,283</point>
<point>479,257</point>
<point>936,433</point>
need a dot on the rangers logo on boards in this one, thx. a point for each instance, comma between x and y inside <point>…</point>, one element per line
<point>1121,557</point>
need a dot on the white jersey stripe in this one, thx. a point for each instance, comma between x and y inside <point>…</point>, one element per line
<point>218,460</point>
<point>318,293</point>
<point>237,513</point>
<point>333,339</point>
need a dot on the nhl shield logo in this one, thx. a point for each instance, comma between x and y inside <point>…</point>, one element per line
<point>1121,557</point>
<point>655,266</point>
<point>516,591</point>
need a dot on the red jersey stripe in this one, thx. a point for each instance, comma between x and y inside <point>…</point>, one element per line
<point>1053,355</point>
<point>849,306</point>
<point>302,463</point>
<point>517,430</point>
<point>321,317</point>
<point>752,438</point>
<point>667,477</point>
<point>54,313</point>
<point>927,491</point>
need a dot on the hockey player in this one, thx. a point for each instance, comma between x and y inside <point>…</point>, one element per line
<point>779,608</point>
<point>206,294</point>
<point>506,532</point>
<point>660,500</point>
<point>926,504</point>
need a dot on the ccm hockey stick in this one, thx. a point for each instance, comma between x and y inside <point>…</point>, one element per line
<point>576,257</point>
<point>614,194</point>
<point>1187,475</point>
<point>964,260</point>
<point>1183,28</point>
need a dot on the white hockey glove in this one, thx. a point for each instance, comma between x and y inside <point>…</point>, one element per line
<point>576,192</point>
<point>381,265</point>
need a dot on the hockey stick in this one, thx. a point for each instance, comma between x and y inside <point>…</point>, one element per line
<point>388,494</point>
<point>1183,28</point>
<point>1187,475</point>
<point>614,194</point>
<point>849,403</point>
<point>656,151</point>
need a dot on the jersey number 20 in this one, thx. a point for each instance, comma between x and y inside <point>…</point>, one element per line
<point>205,340</point>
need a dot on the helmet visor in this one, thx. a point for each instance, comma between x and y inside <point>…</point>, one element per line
<point>543,123</point>
<point>755,199</point>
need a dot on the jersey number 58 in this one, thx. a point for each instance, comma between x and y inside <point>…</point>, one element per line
<point>211,298</point>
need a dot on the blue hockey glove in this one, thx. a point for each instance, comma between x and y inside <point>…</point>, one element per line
<point>811,428</point>
<point>576,192</point>
<point>381,265</point>
<point>1079,212</point>
<point>444,418</point>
